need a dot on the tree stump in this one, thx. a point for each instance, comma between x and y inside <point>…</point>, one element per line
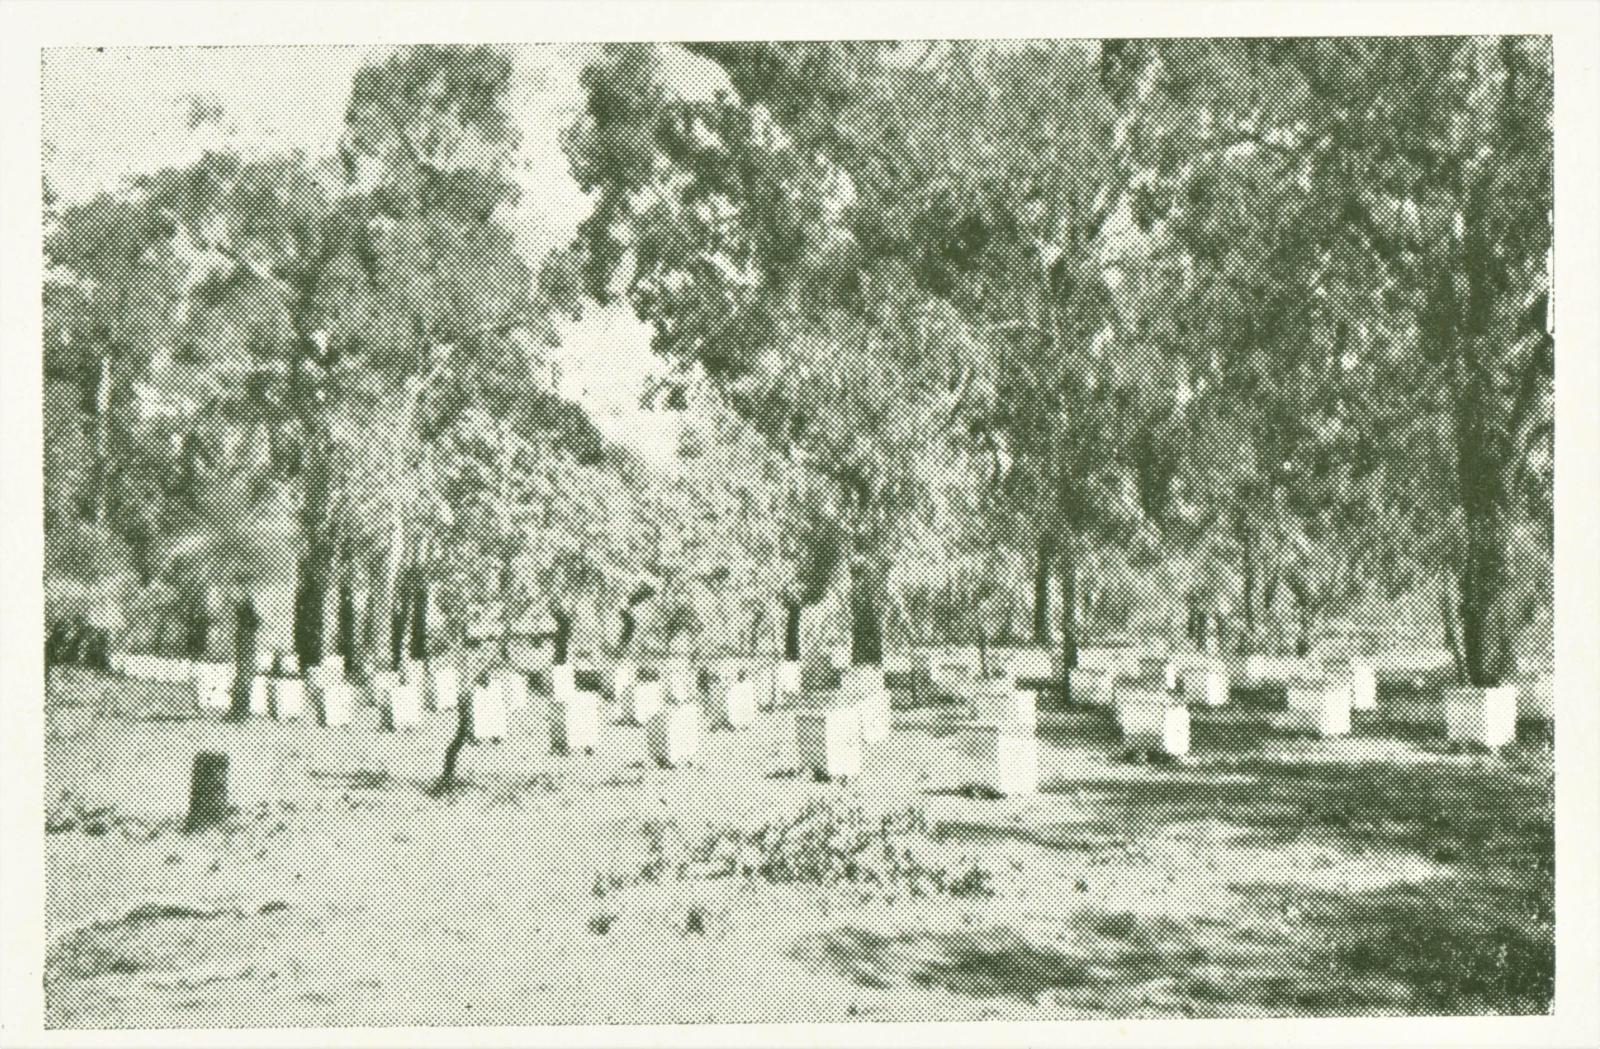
<point>208,791</point>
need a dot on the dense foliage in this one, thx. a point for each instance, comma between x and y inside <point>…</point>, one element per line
<point>1234,341</point>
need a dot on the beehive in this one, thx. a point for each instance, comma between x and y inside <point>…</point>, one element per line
<point>1149,722</point>
<point>673,734</point>
<point>1205,684</point>
<point>333,702</point>
<point>828,741</point>
<point>622,679</point>
<point>513,687</point>
<point>1014,709</point>
<point>487,715</point>
<point>212,684</point>
<point>401,704</point>
<point>574,722</point>
<point>1319,706</point>
<point>733,703</point>
<point>443,685</point>
<point>288,698</point>
<point>998,758</point>
<point>260,695</point>
<point>1485,716</point>
<point>642,701</point>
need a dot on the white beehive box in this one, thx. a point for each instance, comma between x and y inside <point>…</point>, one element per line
<point>1363,685</point>
<point>288,698</point>
<point>763,681</point>
<point>1000,759</point>
<point>828,741</point>
<point>863,688</point>
<point>952,669</point>
<point>401,703</point>
<point>673,734</point>
<point>1031,664</point>
<point>1149,722</point>
<point>733,703</point>
<point>876,718</point>
<point>786,682</point>
<point>557,682</point>
<point>488,713</point>
<point>575,722</point>
<point>320,674</point>
<point>1095,687</point>
<point>858,683</point>
<point>444,686</point>
<point>839,657</point>
<point>1014,709</point>
<point>212,684</point>
<point>1536,699</point>
<point>260,696</point>
<point>1274,670</point>
<point>642,701</point>
<point>680,681</point>
<point>1318,706</point>
<point>334,661</point>
<point>1485,716</point>
<point>620,681</point>
<point>1205,684</point>
<point>333,702</point>
<point>513,686</point>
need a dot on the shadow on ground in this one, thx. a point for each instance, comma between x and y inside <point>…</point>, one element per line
<point>1476,938</point>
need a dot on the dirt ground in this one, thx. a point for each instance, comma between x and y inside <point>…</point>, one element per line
<point>1266,875</point>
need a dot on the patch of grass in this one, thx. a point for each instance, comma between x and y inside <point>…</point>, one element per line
<point>825,844</point>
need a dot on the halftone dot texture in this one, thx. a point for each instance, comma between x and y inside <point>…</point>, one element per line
<point>973,360</point>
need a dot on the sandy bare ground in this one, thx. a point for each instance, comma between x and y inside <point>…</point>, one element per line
<point>1268,875</point>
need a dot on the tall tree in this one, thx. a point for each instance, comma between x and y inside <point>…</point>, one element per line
<point>1399,276</point>
<point>728,235</point>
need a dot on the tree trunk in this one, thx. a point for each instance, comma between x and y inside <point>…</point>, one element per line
<point>310,608</point>
<point>419,613</point>
<point>448,780</point>
<point>1247,637</point>
<point>791,631</point>
<point>1068,569</point>
<point>246,633</point>
<point>197,627</point>
<point>1041,593</point>
<point>345,620</point>
<point>399,620</point>
<point>1484,581</point>
<point>629,627</point>
<point>561,637</point>
<point>99,469</point>
<point>868,588</point>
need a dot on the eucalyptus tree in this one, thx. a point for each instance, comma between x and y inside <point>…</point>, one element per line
<point>1370,225</point>
<point>728,233</point>
<point>998,171</point>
